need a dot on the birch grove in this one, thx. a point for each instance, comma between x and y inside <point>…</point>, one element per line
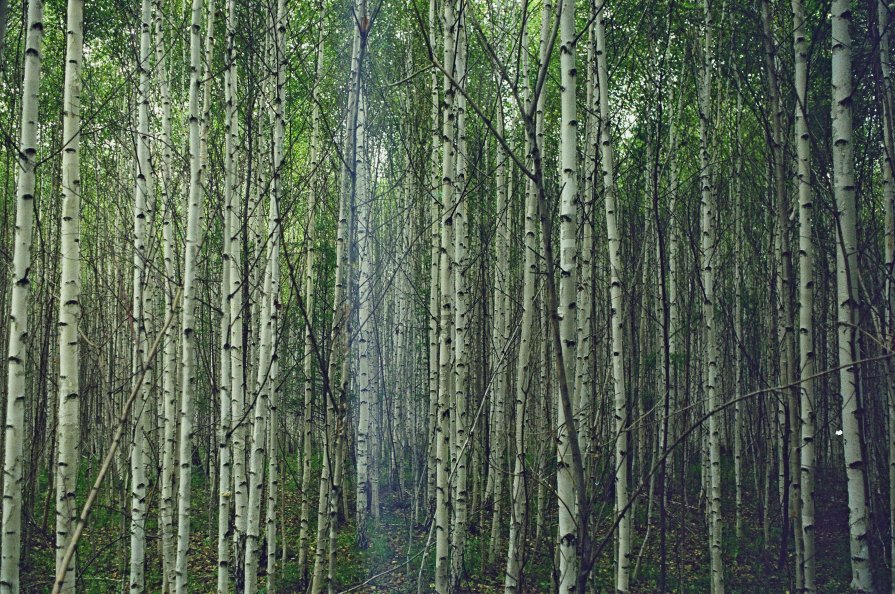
<point>451,296</point>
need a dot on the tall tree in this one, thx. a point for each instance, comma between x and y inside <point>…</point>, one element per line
<point>69,405</point>
<point>847,291</point>
<point>14,429</point>
<point>141,313</point>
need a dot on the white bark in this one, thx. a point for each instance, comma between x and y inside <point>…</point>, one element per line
<point>188,320</point>
<point>310,360</point>
<point>169,354</point>
<point>14,433</point>
<point>365,386</point>
<point>443,426</point>
<point>262,394</point>
<point>434,247</point>
<point>524,366</point>
<point>236,293</point>
<point>847,292</point>
<point>279,133</point>
<point>68,426</point>
<point>707,215</point>
<point>806,295</point>
<point>231,324</point>
<point>339,359</point>
<point>142,406</point>
<point>617,320</point>
<point>461,316</point>
<point>566,307</point>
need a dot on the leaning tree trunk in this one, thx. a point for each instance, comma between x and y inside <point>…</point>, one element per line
<point>14,438</point>
<point>847,293</point>
<point>69,405</point>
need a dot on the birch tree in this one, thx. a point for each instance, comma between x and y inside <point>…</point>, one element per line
<point>607,161</point>
<point>708,255</point>
<point>806,296</point>
<point>142,219</point>
<point>68,425</point>
<point>14,438</point>
<point>846,291</point>
<point>566,488</point>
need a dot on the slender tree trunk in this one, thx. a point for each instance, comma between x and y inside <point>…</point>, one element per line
<point>434,247</point>
<point>566,487</point>
<point>847,292</point>
<point>232,448</point>
<point>617,319</point>
<point>708,248</point>
<point>445,330</point>
<point>462,315</point>
<point>279,134</point>
<point>169,354</point>
<point>14,438</point>
<point>806,296</point>
<point>499,339</point>
<point>142,406</point>
<point>310,357</point>
<point>524,367</point>
<point>188,319</point>
<point>339,359</point>
<point>68,426</point>
<point>366,446</point>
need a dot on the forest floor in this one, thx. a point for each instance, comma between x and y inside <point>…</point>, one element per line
<point>391,562</point>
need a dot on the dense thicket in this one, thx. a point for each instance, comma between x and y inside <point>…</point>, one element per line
<point>466,295</point>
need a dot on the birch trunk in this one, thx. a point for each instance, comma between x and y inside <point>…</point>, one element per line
<point>366,445</point>
<point>461,316</point>
<point>524,385</point>
<point>707,215</point>
<point>188,319</point>
<point>499,339</point>
<point>310,357</point>
<point>263,389</point>
<point>231,452</point>
<point>445,332</point>
<point>617,320</point>
<point>434,247</point>
<point>279,134</point>
<point>846,292</point>
<point>14,437</point>
<point>68,411</point>
<point>339,360</point>
<point>142,406</point>
<point>883,24</point>
<point>566,486</point>
<point>237,294</point>
<point>169,354</point>
<point>806,296</point>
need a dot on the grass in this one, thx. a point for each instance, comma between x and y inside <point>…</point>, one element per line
<point>750,563</point>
